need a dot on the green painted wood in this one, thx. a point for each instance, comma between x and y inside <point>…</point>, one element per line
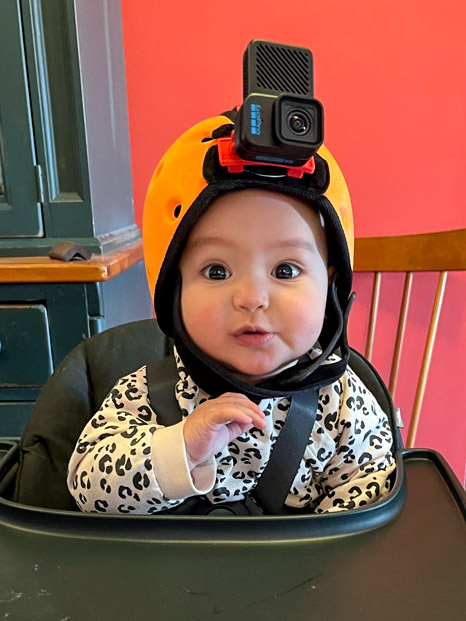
<point>20,212</point>
<point>23,292</point>
<point>68,312</point>
<point>19,394</point>
<point>66,307</point>
<point>14,417</point>
<point>28,247</point>
<point>70,56</point>
<point>25,356</point>
<point>56,98</point>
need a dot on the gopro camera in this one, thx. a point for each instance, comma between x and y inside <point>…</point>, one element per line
<point>280,121</point>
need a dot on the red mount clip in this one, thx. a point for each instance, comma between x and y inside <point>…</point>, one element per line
<point>228,157</point>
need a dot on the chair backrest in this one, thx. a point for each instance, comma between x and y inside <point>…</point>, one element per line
<point>440,252</point>
<point>68,400</point>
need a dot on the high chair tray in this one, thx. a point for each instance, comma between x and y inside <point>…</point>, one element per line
<point>412,567</point>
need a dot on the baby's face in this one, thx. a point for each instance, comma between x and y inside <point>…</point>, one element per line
<point>254,280</point>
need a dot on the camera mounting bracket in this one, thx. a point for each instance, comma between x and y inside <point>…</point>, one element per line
<point>228,157</point>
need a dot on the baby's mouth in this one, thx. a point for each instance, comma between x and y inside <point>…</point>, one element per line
<point>253,336</point>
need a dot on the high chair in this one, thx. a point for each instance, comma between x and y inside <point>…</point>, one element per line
<point>402,557</point>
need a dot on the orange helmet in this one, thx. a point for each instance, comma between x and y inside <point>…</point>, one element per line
<point>189,177</point>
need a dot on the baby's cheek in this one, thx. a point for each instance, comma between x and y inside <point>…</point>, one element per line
<point>308,325</point>
<point>200,318</point>
<point>204,317</point>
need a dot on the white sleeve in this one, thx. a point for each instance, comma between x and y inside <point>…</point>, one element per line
<point>126,462</point>
<point>177,475</point>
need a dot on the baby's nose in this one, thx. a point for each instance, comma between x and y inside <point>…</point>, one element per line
<point>251,295</point>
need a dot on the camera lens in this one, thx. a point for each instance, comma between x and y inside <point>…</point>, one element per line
<point>298,122</point>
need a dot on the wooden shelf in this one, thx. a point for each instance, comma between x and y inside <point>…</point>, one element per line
<point>46,270</point>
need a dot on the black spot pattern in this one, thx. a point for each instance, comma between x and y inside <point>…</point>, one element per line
<point>345,465</point>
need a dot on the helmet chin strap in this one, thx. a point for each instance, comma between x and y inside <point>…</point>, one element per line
<point>339,338</point>
<point>216,379</point>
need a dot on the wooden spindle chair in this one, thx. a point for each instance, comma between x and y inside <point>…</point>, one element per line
<point>431,252</point>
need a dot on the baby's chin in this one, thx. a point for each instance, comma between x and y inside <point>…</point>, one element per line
<point>260,372</point>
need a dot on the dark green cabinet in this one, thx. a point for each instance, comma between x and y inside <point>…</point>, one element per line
<point>20,208</point>
<point>65,174</point>
<point>65,156</point>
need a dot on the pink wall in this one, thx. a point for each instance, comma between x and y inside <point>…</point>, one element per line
<point>391,77</point>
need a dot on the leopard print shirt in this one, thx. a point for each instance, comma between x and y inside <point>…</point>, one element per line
<point>127,462</point>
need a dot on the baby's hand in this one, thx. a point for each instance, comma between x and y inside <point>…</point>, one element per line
<point>216,422</point>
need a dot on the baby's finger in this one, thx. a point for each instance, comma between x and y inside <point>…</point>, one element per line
<point>241,400</point>
<point>227,414</point>
<point>245,417</point>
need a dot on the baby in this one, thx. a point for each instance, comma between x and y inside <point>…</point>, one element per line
<point>252,274</point>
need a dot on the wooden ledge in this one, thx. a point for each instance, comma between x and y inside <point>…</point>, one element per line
<point>44,269</point>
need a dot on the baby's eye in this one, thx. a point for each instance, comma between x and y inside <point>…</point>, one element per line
<point>216,272</point>
<point>286,270</point>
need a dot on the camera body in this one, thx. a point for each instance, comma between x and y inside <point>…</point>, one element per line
<point>279,121</point>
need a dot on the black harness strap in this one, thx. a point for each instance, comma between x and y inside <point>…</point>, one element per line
<point>276,480</point>
<point>162,376</point>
